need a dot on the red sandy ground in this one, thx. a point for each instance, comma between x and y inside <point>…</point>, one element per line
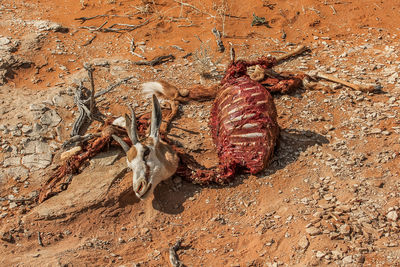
<point>191,212</point>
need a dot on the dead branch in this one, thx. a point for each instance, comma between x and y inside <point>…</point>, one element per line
<point>39,239</point>
<point>112,86</point>
<point>127,27</point>
<point>89,68</point>
<point>77,139</point>
<point>133,48</point>
<point>220,44</point>
<point>195,8</point>
<point>156,61</point>
<point>92,28</point>
<point>88,42</point>
<point>84,19</point>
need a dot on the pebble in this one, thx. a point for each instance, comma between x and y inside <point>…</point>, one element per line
<point>348,259</point>
<point>312,231</point>
<point>37,107</point>
<point>345,229</point>
<point>26,129</point>
<point>320,254</point>
<point>392,216</point>
<point>303,242</point>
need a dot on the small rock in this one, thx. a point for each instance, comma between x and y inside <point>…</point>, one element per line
<point>4,41</point>
<point>320,254</point>
<point>348,259</point>
<point>67,232</point>
<point>38,161</point>
<point>392,215</point>
<point>303,242</point>
<point>375,131</point>
<point>312,231</point>
<point>7,236</point>
<point>144,230</point>
<point>59,101</point>
<point>37,107</point>
<point>44,25</point>
<point>345,229</point>
<point>13,161</point>
<point>26,129</point>
<point>50,118</point>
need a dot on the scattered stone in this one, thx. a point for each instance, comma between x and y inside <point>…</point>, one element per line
<point>37,161</point>
<point>348,259</point>
<point>312,231</point>
<point>7,236</point>
<point>50,118</point>
<point>303,242</point>
<point>59,101</point>
<point>26,129</point>
<point>44,25</point>
<point>345,229</point>
<point>13,161</point>
<point>38,107</point>
<point>392,215</point>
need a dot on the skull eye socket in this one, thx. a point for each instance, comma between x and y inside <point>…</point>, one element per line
<point>146,153</point>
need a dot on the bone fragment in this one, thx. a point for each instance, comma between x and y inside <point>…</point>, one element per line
<point>300,49</point>
<point>65,155</point>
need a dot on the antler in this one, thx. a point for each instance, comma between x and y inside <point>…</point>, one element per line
<point>131,129</point>
<point>131,126</point>
<point>156,118</point>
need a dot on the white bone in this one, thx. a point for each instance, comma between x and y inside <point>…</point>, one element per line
<point>120,121</point>
<point>150,162</point>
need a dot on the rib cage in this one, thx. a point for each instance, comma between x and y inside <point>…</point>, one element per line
<point>244,126</point>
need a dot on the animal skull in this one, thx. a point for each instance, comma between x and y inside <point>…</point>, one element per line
<point>151,160</point>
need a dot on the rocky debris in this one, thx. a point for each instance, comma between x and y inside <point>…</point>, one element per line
<point>37,155</point>
<point>392,215</point>
<point>7,237</point>
<point>303,242</point>
<point>312,231</point>
<point>8,64</point>
<point>45,25</point>
<point>50,118</point>
<point>8,45</point>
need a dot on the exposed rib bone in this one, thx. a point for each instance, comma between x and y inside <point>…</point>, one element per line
<point>364,88</point>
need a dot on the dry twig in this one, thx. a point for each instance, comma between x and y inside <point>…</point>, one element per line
<point>156,61</point>
<point>195,8</point>
<point>39,239</point>
<point>88,42</point>
<point>220,44</point>
<point>133,48</point>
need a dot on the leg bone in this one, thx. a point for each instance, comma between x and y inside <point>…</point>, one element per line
<point>364,88</point>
